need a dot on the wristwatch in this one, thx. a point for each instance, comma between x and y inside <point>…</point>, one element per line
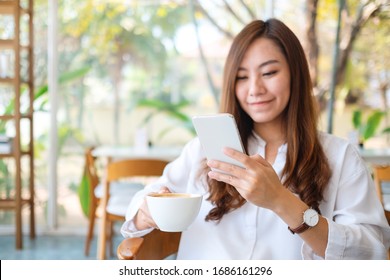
<point>310,219</point>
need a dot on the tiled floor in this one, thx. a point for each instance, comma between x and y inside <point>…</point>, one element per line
<point>49,247</point>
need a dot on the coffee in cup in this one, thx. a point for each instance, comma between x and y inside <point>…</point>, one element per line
<point>173,212</point>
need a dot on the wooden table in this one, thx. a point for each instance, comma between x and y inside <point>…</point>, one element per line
<point>121,152</point>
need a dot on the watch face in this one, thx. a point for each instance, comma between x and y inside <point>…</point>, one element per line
<point>311,217</point>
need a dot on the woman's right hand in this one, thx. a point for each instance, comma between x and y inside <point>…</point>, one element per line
<point>143,219</point>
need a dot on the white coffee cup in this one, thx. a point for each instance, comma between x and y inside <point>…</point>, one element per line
<point>173,212</point>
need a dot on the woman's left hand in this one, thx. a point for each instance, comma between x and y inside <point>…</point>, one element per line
<point>258,183</point>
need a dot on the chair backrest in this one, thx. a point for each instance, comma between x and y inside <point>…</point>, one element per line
<point>91,172</point>
<point>156,245</point>
<point>381,175</point>
<point>127,168</point>
<point>135,167</point>
<point>91,169</point>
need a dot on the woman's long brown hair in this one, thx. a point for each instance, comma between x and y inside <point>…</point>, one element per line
<point>306,171</point>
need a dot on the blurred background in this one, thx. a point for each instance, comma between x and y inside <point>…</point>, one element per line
<point>126,66</point>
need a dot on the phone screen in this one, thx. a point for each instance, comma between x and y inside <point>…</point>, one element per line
<point>216,132</point>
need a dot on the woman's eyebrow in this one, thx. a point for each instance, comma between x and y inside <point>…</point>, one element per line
<point>268,62</point>
<point>271,61</point>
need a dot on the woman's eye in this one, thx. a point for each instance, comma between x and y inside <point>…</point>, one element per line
<point>270,73</point>
<point>241,78</point>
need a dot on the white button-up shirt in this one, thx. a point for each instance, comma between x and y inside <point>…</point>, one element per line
<point>357,226</point>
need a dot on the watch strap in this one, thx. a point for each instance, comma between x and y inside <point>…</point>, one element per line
<point>303,227</point>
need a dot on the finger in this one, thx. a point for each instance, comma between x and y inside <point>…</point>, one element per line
<point>243,158</point>
<point>224,167</point>
<point>239,156</point>
<point>222,177</point>
<point>164,189</point>
<point>229,179</point>
<point>260,159</point>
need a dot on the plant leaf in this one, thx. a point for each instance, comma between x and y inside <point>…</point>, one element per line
<point>357,119</point>
<point>386,130</point>
<point>83,193</point>
<point>372,125</point>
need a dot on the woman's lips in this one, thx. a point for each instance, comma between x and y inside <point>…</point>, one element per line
<point>259,103</point>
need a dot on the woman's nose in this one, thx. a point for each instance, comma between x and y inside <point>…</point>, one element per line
<point>256,87</point>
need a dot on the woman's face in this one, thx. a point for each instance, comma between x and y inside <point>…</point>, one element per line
<point>263,82</point>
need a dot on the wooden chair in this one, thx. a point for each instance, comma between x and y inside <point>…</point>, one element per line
<point>96,193</point>
<point>382,175</point>
<point>156,245</point>
<point>93,178</point>
<point>115,171</point>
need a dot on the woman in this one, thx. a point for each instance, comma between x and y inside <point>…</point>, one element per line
<point>302,194</point>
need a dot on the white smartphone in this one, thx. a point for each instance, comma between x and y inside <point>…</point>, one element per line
<point>216,132</point>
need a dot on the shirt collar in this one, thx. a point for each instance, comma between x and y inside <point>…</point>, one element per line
<point>261,142</point>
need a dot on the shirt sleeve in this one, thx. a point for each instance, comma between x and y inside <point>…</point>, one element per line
<point>357,225</point>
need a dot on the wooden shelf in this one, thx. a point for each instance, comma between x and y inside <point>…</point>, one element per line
<point>9,204</point>
<point>7,81</point>
<point>11,117</point>
<point>11,155</point>
<point>6,117</point>
<point>11,81</point>
<point>7,7</point>
<point>7,44</point>
<point>13,45</point>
